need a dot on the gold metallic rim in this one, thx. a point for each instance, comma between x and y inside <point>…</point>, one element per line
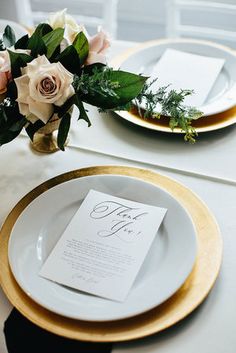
<point>204,124</point>
<point>183,302</point>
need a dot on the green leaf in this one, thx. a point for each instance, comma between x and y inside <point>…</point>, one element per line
<point>3,117</point>
<point>70,59</point>
<point>17,126</point>
<point>82,46</point>
<point>2,45</point>
<point>22,43</point>
<point>83,114</point>
<point>11,121</point>
<point>18,60</point>
<point>62,110</point>
<point>130,85</point>
<point>126,87</point>
<point>63,130</point>
<point>11,132</point>
<point>52,40</point>
<point>36,45</point>
<point>42,29</point>
<point>9,37</point>
<point>12,90</point>
<point>33,128</point>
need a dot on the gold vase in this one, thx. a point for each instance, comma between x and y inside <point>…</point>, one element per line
<point>45,143</point>
<point>45,139</point>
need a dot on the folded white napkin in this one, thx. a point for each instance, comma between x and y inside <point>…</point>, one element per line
<point>187,71</point>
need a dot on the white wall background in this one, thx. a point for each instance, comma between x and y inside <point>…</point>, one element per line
<point>138,20</point>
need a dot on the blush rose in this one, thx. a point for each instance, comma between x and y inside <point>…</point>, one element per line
<point>98,46</point>
<point>5,68</point>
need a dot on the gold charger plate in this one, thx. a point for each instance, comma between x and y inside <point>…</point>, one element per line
<point>182,303</point>
<point>204,124</point>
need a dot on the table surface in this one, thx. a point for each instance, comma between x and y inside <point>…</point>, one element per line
<point>208,329</point>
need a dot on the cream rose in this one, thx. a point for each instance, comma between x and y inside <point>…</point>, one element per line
<point>41,85</point>
<point>98,45</point>
<point>62,20</point>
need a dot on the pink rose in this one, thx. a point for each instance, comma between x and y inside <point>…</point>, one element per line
<point>42,85</point>
<point>3,82</point>
<point>5,68</point>
<point>98,45</point>
<point>5,64</point>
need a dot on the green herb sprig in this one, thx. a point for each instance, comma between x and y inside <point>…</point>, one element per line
<point>100,84</point>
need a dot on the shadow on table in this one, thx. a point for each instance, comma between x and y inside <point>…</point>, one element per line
<point>208,138</point>
<point>152,343</point>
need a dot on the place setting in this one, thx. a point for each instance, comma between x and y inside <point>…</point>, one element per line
<point>205,67</point>
<point>156,140</point>
<point>109,285</point>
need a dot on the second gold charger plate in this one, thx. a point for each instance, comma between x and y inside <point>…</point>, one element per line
<point>186,299</point>
<point>220,110</point>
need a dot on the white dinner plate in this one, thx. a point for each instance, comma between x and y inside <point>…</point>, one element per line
<point>19,30</point>
<point>166,267</point>
<point>223,94</point>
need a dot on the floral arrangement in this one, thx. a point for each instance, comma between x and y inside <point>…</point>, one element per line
<point>42,76</point>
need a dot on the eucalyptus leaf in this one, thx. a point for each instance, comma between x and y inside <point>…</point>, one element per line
<point>63,130</point>
<point>52,40</point>
<point>9,37</point>
<point>82,46</point>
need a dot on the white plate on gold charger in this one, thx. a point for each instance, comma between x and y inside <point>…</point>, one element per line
<point>142,58</point>
<point>165,269</point>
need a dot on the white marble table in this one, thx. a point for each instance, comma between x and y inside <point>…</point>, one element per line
<point>211,327</point>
